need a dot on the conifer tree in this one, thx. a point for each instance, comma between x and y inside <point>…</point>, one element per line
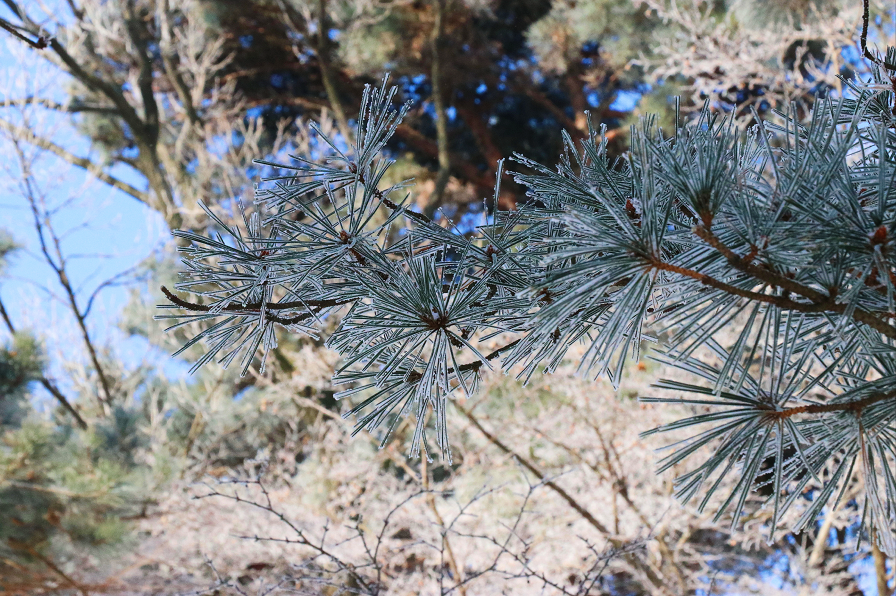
<point>20,361</point>
<point>698,230</point>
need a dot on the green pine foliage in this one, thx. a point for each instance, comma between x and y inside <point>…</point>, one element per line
<point>21,362</point>
<point>63,491</point>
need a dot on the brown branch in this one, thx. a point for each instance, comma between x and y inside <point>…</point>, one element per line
<point>577,507</point>
<point>852,406</point>
<point>125,109</point>
<point>150,124</point>
<point>482,134</point>
<point>778,301</point>
<point>880,565</point>
<point>822,302</point>
<point>478,363</point>
<point>765,275</point>
<point>54,391</point>
<point>301,538</point>
<point>419,217</point>
<point>438,101</point>
<point>38,44</point>
<point>526,86</point>
<point>53,567</point>
<point>254,306</point>
<point>467,170</point>
<point>864,39</point>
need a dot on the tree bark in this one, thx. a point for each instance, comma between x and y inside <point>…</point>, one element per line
<point>880,567</point>
<point>438,100</point>
<point>326,70</point>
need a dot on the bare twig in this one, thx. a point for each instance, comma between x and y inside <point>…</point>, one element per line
<point>649,573</point>
<point>57,263</point>
<point>94,169</point>
<point>366,576</point>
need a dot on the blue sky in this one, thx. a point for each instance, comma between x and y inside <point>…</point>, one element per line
<point>103,231</point>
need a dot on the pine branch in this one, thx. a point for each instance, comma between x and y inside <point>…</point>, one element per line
<point>255,308</point>
<point>582,261</point>
<point>821,302</point>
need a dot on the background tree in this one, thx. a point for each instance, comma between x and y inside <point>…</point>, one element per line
<point>159,87</point>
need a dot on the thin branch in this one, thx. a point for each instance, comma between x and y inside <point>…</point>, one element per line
<point>865,51</point>
<point>53,567</point>
<point>125,110</point>
<point>72,108</point>
<point>54,391</point>
<point>438,102</point>
<point>852,406</point>
<point>467,170</point>
<point>42,223</point>
<point>821,540</point>
<point>323,60</point>
<point>431,499</point>
<point>94,169</point>
<point>778,301</point>
<point>39,44</point>
<point>822,302</point>
<point>254,306</point>
<point>578,507</point>
<point>301,539</point>
<point>651,575</point>
<point>169,53</point>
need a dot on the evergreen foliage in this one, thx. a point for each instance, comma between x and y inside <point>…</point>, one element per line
<point>21,361</point>
<point>59,489</point>
<point>20,364</point>
<point>783,233</point>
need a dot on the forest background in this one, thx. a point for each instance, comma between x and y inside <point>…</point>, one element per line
<point>122,473</point>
